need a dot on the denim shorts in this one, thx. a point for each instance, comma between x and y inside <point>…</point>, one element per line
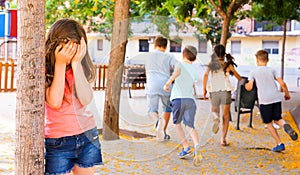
<point>63,153</point>
<point>184,109</point>
<point>153,101</point>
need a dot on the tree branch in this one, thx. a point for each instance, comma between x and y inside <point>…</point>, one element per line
<point>238,5</point>
<point>218,8</point>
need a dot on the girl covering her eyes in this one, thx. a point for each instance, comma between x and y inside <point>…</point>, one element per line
<point>71,137</point>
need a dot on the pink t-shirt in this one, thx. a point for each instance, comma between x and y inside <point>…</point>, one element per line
<point>71,118</point>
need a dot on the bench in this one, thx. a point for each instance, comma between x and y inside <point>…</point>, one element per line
<point>133,76</point>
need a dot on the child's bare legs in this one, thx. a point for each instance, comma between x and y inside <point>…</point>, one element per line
<point>166,116</point>
<point>280,122</point>
<point>215,109</point>
<point>274,133</point>
<point>83,171</point>
<point>181,136</point>
<point>216,119</point>
<point>225,122</point>
<point>153,116</point>
<point>193,133</point>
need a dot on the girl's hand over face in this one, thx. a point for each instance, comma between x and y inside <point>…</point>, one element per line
<point>81,51</point>
<point>64,54</point>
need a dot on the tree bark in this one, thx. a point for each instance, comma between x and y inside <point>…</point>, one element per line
<point>283,48</point>
<point>115,70</point>
<point>225,28</point>
<point>29,154</point>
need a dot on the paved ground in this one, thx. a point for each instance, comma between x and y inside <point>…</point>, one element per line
<point>248,153</point>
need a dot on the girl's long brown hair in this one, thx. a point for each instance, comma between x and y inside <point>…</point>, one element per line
<point>62,31</point>
<point>219,52</point>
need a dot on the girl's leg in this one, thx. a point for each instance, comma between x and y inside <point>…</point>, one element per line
<point>215,110</point>
<point>225,122</point>
<point>83,171</point>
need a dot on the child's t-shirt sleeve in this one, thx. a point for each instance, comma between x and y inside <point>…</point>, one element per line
<point>251,76</point>
<point>274,72</point>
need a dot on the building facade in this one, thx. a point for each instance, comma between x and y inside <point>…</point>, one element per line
<point>245,41</point>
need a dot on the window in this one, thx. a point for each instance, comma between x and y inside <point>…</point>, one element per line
<point>236,47</point>
<point>100,44</point>
<point>143,45</point>
<point>175,47</point>
<point>297,25</point>
<point>269,26</point>
<point>271,47</point>
<point>202,46</point>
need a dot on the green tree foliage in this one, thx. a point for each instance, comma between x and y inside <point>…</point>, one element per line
<point>205,15</point>
<point>276,10</point>
<point>96,14</point>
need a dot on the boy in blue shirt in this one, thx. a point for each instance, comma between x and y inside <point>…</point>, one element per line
<point>183,102</point>
<point>270,98</point>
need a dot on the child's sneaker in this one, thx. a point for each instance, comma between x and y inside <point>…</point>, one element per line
<point>216,124</point>
<point>159,129</point>
<point>289,130</point>
<point>184,153</point>
<point>197,157</point>
<point>167,137</point>
<point>279,148</point>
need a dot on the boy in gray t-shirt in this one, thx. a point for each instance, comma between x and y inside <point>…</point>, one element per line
<point>158,70</point>
<point>270,98</point>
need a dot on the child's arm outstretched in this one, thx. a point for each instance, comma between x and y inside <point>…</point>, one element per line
<point>230,68</point>
<point>83,88</point>
<point>171,79</point>
<point>284,88</point>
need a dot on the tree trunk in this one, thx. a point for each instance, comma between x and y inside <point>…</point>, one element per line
<point>283,48</point>
<point>115,70</point>
<point>225,28</point>
<point>29,154</point>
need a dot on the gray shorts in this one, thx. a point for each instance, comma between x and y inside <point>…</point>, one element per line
<point>220,98</point>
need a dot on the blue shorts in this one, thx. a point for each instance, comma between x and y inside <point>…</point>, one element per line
<point>153,101</point>
<point>184,109</point>
<point>270,112</point>
<point>63,153</point>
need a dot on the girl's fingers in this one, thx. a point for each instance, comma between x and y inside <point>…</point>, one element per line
<point>58,48</point>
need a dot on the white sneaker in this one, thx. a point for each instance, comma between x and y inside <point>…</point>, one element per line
<point>276,126</point>
<point>159,129</point>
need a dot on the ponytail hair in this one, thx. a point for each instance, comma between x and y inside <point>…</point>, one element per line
<point>229,61</point>
<point>219,52</point>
